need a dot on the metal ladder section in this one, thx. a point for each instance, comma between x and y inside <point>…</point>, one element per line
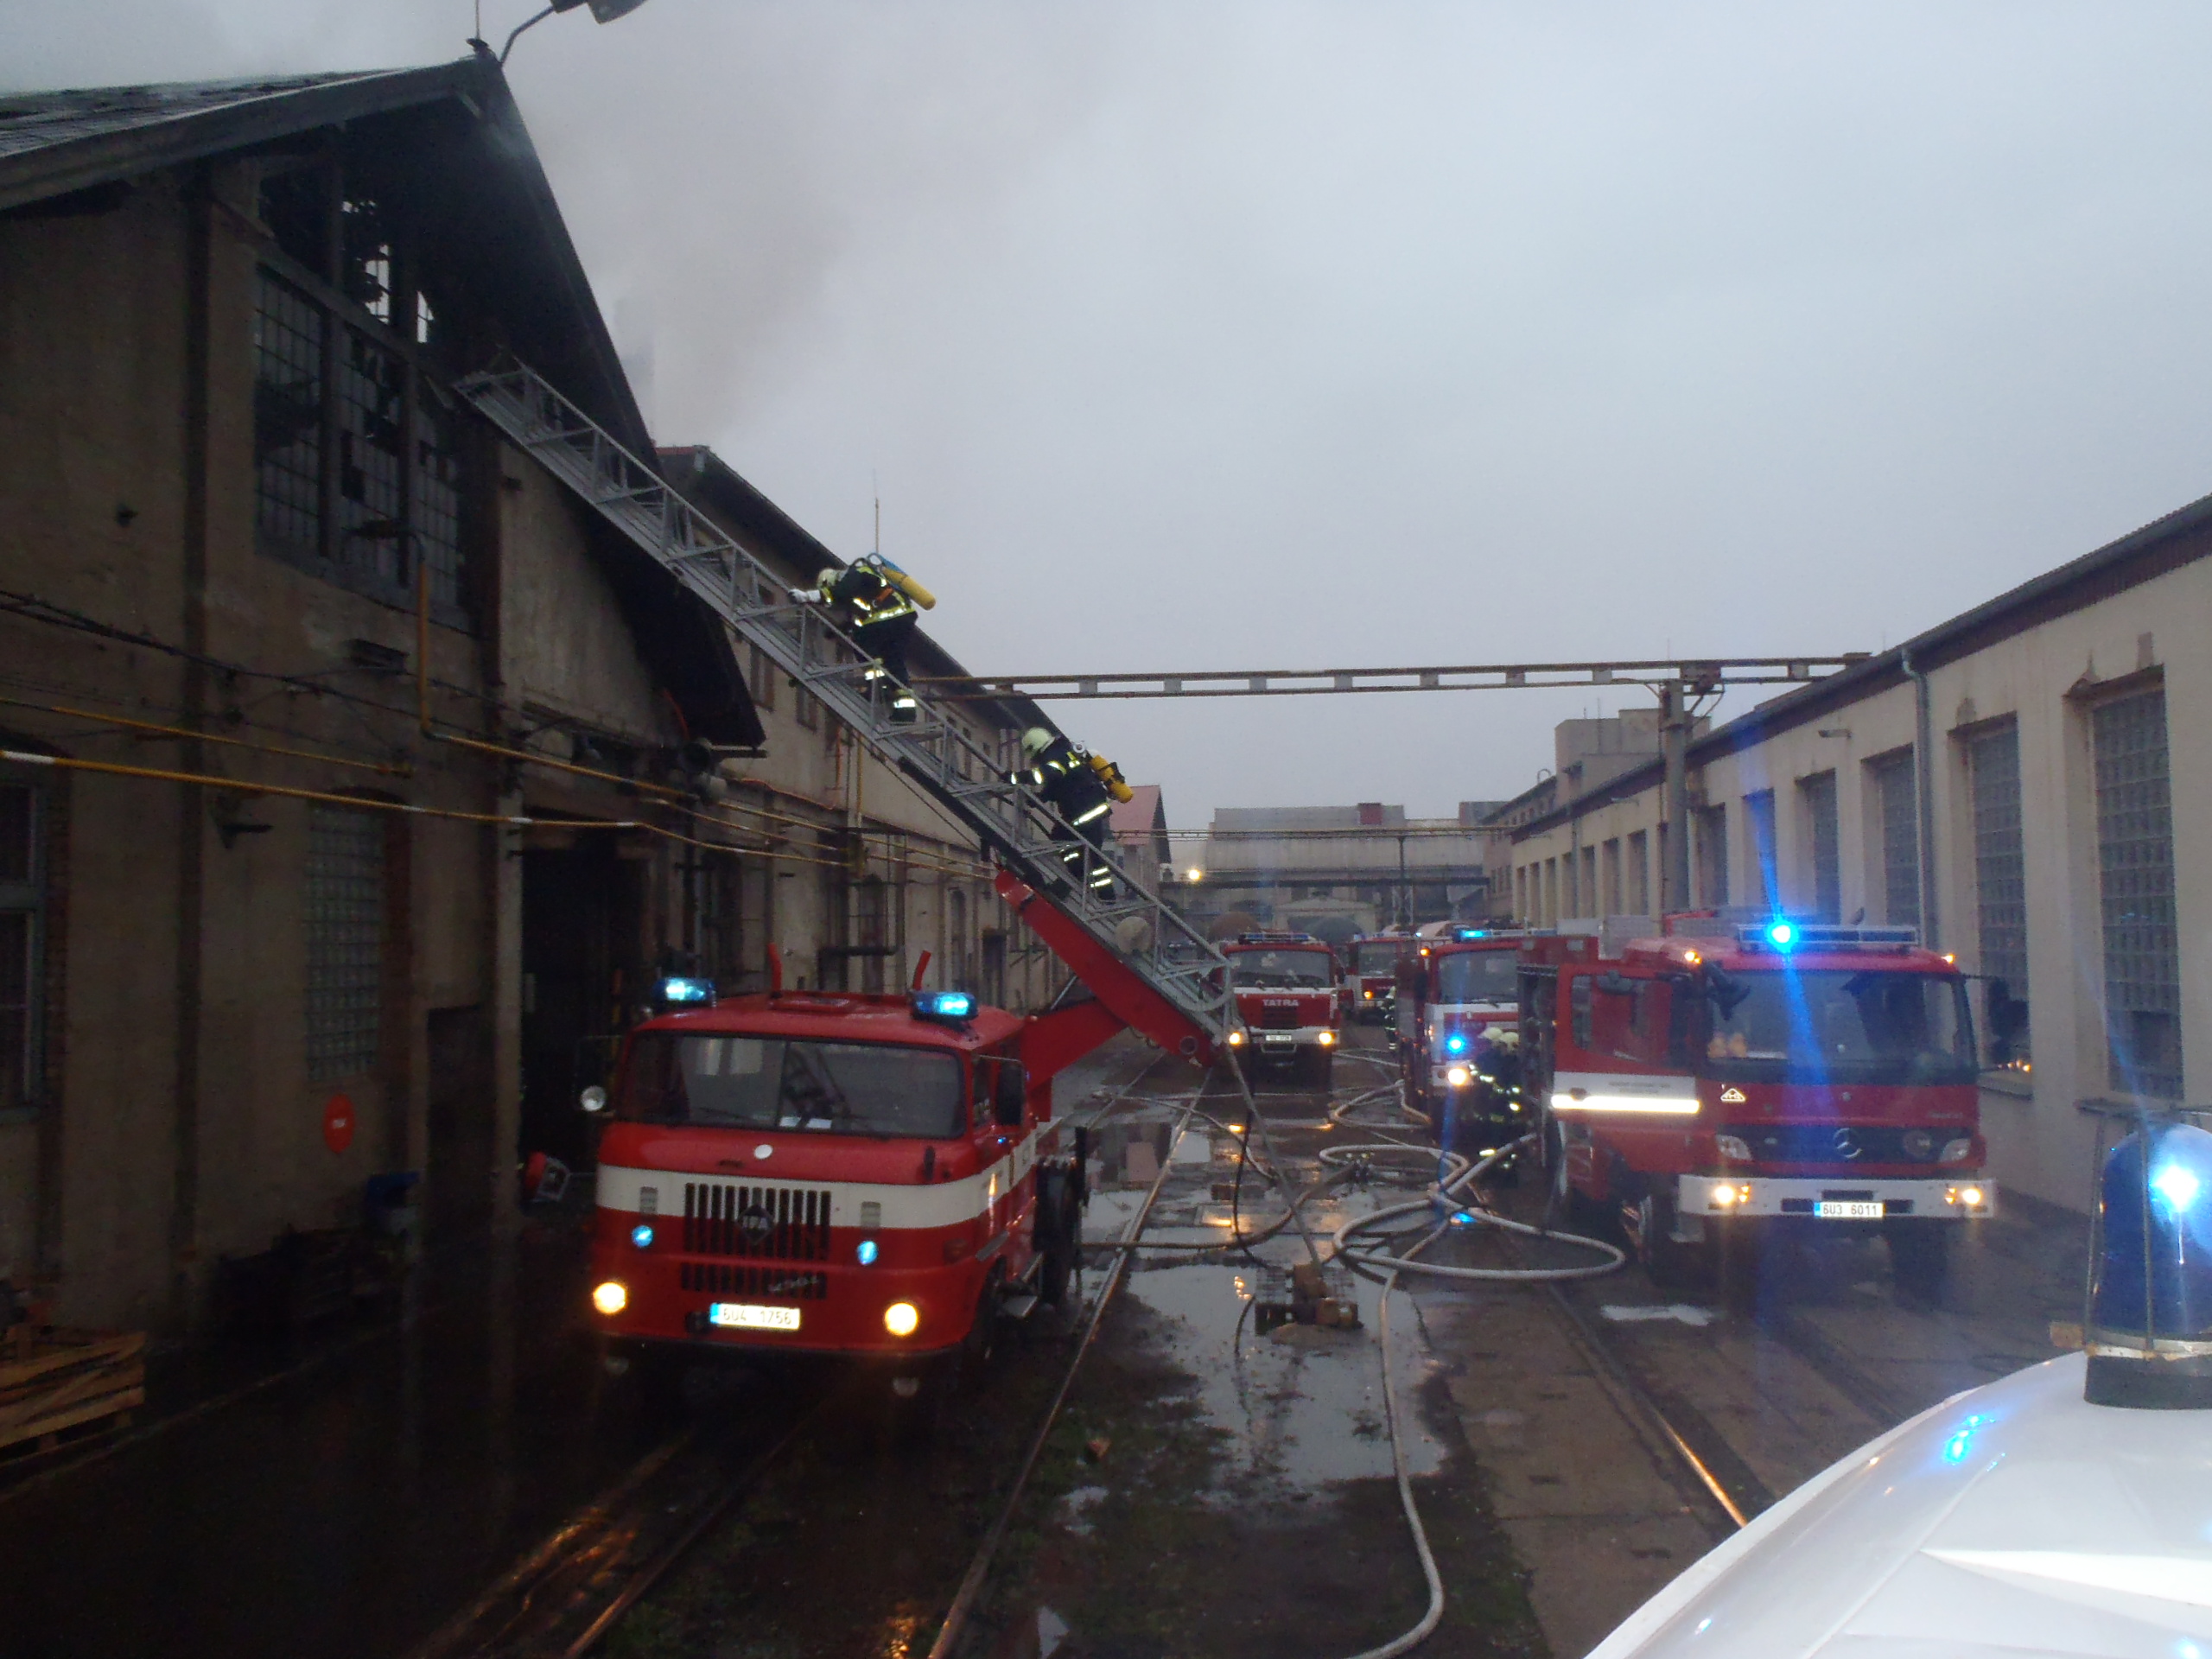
<point>1150,941</point>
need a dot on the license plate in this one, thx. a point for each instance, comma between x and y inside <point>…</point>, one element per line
<point>752,1316</point>
<point>1848,1209</point>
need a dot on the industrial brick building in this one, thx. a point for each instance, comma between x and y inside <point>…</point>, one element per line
<point>359,779</point>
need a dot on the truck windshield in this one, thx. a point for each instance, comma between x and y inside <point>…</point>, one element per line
<point>1376,955</point>
<point>1282,970</point>
<point>775,1083</point>
<point>1839,1025</point>
<point>1477,976</point>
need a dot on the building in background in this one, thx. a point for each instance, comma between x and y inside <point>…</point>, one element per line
<point>1337,871</point>
<point>1139,830</point>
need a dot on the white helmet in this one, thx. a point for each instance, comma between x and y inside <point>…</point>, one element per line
<point>827,580</point>
<point>1034,742</point>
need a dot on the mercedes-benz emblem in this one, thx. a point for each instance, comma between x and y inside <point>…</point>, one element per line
<point>1846,1144</point>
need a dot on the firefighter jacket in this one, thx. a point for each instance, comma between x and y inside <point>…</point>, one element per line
<point>878,591</point>
<point>1066,776</point>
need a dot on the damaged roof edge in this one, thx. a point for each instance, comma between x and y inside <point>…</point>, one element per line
<point>2165,544</point>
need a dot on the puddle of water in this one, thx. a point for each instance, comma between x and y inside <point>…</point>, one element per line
<point>1302,1407</point>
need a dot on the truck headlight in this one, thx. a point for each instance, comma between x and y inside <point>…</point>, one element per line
<point>1457,1076</point>
<point>611,1297</point>
<point>902,1319</point>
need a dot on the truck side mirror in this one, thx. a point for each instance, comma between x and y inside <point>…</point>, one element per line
<point>594,1099</point>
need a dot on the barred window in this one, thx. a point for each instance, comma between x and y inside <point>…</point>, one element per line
<point>1896,795</point>
<point>2135,864</point>
<point>372,415</point>
<point>1818,795</point>
<point>344,926</point>
<point>761,683</point>
<point>288,335</point>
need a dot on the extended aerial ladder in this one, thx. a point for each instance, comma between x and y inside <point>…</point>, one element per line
<point>1143,962</point>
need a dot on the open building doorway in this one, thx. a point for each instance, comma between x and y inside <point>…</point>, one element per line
<point>582,955</point>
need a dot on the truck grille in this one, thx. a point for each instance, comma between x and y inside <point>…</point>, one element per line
<point>777,1223</point>
<point>719,1279</point>
<point>1841,1143</point>
<point>1279,1017</point>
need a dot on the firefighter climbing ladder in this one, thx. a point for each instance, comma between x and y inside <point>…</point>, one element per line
<point>1155,945</point>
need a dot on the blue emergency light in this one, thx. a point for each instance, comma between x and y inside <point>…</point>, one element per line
<point>680,992</point>
<point>952,1007</point>
<point>1456,1043</point>
<point>2151,1303</point>
<point>1781,935</point>
<point>642,1235</point>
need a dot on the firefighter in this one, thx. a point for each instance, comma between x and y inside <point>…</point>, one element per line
<point>883,604</point>
<point>1082,788</point>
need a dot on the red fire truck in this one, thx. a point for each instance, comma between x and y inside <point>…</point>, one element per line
<point>1712,1089</point>
<point>836,1172</point>
<point>1458,1012</point>
<point>1371,975</point>
<point>1288,1014</point>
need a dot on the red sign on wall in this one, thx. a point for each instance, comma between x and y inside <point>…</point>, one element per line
<point>338,1123</point>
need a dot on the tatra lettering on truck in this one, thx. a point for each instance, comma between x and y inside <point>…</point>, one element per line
<point>1716,1089</point>
<point>864,1175</point>
<point>1288,1013</point>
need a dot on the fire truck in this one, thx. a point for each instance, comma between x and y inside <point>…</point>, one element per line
<point>1716,1086</point>
<point>1288,1013</point>
<point>1371,975</point>
<point>876,1177</point>
<point>1458,1012</point>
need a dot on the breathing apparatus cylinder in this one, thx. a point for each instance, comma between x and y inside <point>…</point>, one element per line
<point>1111,775</point>
<point>899,579</point>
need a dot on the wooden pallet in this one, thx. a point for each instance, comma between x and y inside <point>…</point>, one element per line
<point>53,1380</point>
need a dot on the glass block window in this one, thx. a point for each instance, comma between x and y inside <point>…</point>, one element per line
<point>288,336</point>
<point>1821,835</point>
<point>2135,867</point>
<point>436,514</point>
<point>21,974</point>
<point>2000,891</point>
<point>1712,856</point>
<point>1758,813</point>
<point>344,926</point>
<point>1895,798</point>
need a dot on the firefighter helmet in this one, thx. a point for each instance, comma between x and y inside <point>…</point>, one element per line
<point>1034,742</point>
<point>827,580</point>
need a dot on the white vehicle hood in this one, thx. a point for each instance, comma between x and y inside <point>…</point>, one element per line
<point>2014,1520</point>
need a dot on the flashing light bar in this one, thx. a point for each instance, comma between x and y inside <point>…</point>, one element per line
<point>1654,1105</point>
<point>949,1008</point>
<point>1786,936</point>
<point>680,993</point>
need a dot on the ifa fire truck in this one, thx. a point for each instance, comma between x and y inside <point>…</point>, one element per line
<point>1371,975</point>
<point>1713,1087</point>
<point>869,1176</point>
<point>1458,1012</point>
<point>1288,1013</point>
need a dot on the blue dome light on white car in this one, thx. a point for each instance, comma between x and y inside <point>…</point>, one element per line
<point>2150,1326</point>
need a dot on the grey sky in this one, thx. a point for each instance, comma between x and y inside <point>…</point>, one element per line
<point>1285,334</point>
